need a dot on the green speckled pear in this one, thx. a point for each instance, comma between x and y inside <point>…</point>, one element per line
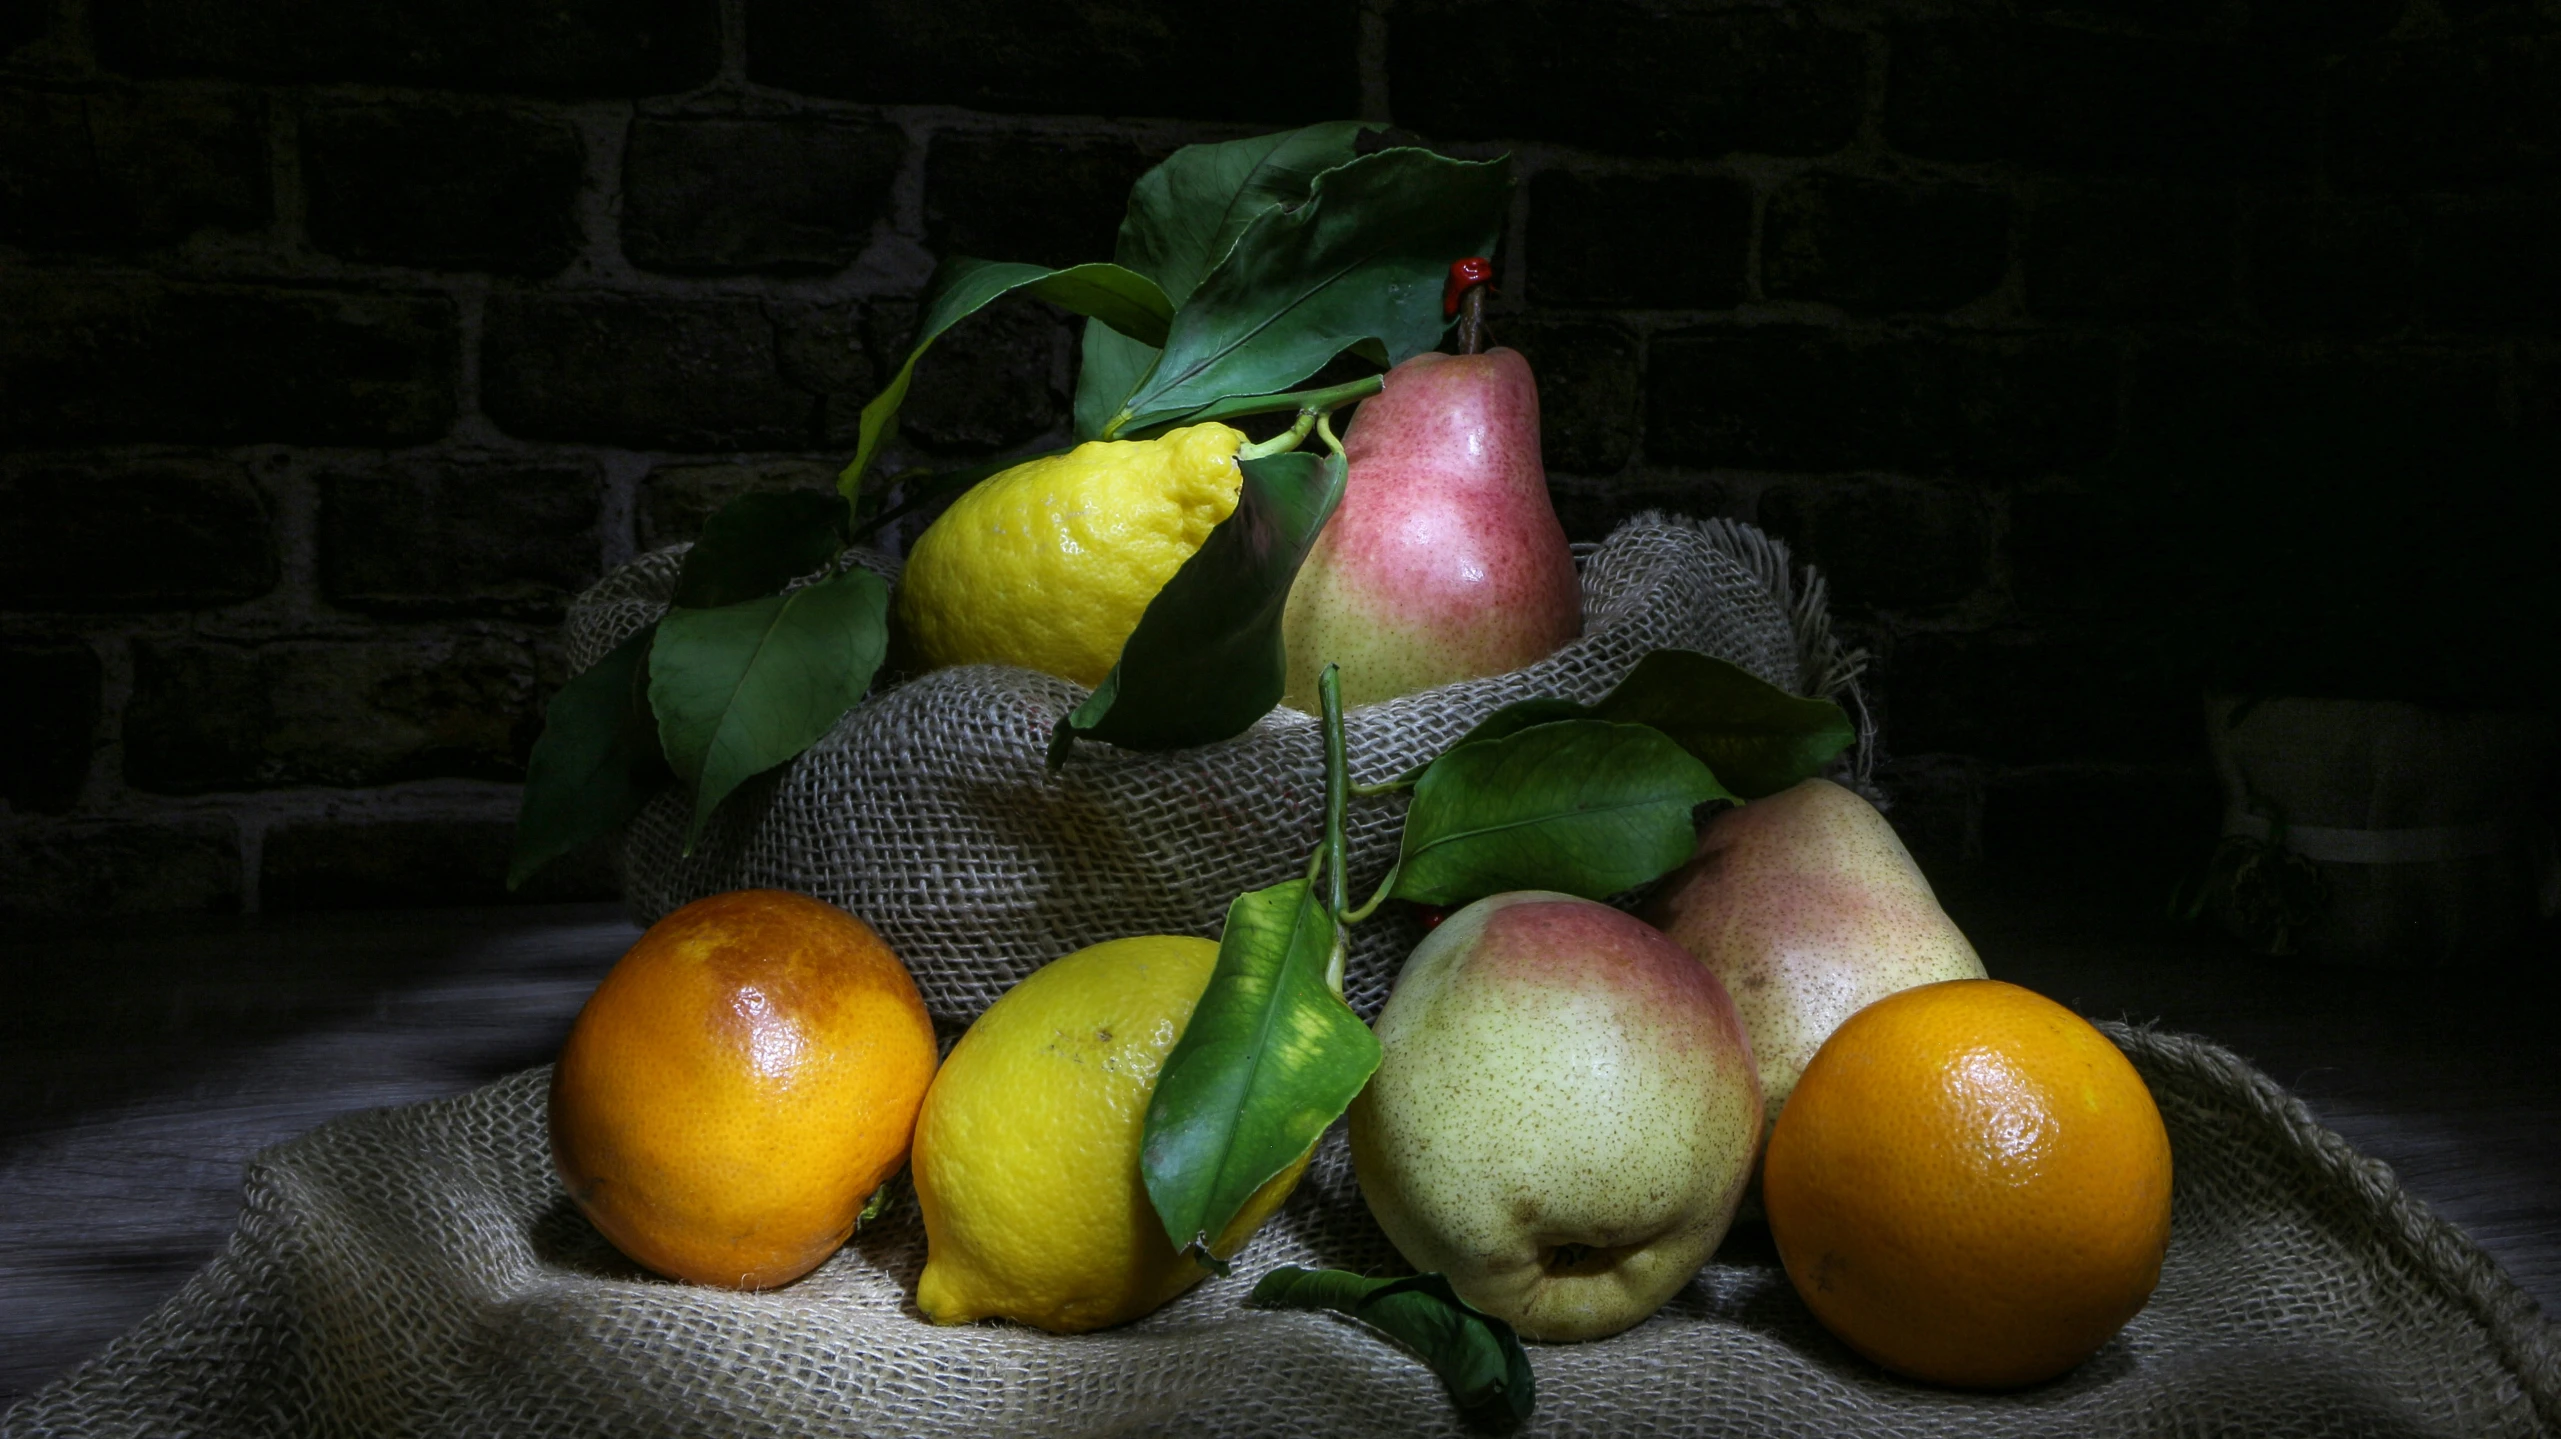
<point>1563,1117</point>
<point>1809,909</point>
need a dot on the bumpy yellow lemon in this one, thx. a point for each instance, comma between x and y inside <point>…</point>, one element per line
<point>1049,565</point>
<point>1026,1154</point>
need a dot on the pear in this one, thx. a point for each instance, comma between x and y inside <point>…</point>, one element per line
<point>1808,908</point>
<point>1445,560</point>
<point>1564,1114</point>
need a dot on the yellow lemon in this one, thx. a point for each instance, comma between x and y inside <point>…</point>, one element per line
<point>1026,1155</point>
<point>1049,565</point>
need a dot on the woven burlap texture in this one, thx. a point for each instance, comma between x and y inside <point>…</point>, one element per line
<point>928,811</point>
<point>418,1271</point>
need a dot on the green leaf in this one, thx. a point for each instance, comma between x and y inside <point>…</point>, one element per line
<point>742,688</point>
<point>1270,1057</point>
<point>1363,260</point>
<point>1758,738</point>
<point>595,765</point>
<point>1477,1356</point>
<point>1123,299</point>
<point>1184,216</point>
<point>756,544</point>
<point>1205,661</point>
<point>1578,805</point>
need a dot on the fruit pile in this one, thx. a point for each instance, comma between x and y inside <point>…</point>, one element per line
<point>1563,1105</point>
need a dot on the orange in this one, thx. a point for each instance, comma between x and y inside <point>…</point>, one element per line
<point>1970,1185</point>
<point>741,1083</point>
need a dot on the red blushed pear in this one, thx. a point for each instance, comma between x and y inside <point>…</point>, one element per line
<point>1445,561</point>
<point>1564,1114</point>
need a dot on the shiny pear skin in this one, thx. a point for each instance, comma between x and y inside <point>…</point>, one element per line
<point>1445,561</point>
<point>1565,1115</point>
<point>1808,907</point>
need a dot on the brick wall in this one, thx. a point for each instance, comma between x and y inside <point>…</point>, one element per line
<point>340,344</point>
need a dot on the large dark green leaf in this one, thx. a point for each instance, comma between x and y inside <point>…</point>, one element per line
<point>1359,265</point>
<point>1184,216</point>
<point>1758,738</point>
<point>1205,661</point>
<point>595,765</point>
<point>742,688</point>
<point>1123,299</point>
<point>1270,1057</point>
<point>1477,1356</point>
<point>756,544</point>
<point>1578,805</point>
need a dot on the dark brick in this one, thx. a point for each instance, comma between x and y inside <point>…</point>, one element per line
<point>443,187</point>
<point>2320,27</point>
<point>2094,692</point>
<point>1587,373</point>
<point>90,357</point>
<point>1935,806</point>
<point>794,194</point>
<point>1014,197</point>
<point>676,499</point>
<point>2447,114</point>
<point>826,349</point>
<point>410,863</point>
<point>446,538</point>
<point>22,21</point>
<point>990,383</point>
<point>570,47</point>
<point>2128,250</point>
<point>1877,245</point>
<point>49,726</point>
<point>210,716</point>
<point>2122,837</point>
<point>679,374</point>
<point>133,534</point>
<point>1791,397</point>
<point>2488,268</point>
<point>1887,544</point>
<point>2331,268</point>
<point>1591,510</point>
<point>1247,60</point>
<point>1667,242</point>
<point>1626,77</point>
<point>2339,540</point>
<point>2076,100</point>
<point>112,169</point>
<point>115,867</point>
<point>2198,393</point>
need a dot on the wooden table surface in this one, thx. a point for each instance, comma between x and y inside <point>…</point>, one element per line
<point>141,1063</point>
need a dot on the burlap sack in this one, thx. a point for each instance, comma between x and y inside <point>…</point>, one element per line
<point>927,810</point>
<point>418,1271</point>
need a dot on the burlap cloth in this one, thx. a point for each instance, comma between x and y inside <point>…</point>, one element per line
<point>418,1271</point>
<point>927,810</point>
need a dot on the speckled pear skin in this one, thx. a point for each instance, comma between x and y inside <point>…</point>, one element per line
<point>1445,560</point>
<point>1564,1116</point>
<point>1808,907</point>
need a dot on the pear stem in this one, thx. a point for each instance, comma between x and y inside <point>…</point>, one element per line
<point>1471,321</point>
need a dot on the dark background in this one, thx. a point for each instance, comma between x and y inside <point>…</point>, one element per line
<point>2098,354</point>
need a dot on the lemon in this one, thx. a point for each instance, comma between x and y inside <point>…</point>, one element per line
<point>1026,1154</point>
<point>1049,565</point>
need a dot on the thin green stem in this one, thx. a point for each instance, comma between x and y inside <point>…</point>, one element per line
<point>1385,886</point>
<point>1331,397</point>
<point>1283,442</point>
<point>1329,694</point>
<point>1385,786</point>
<point>1325,429</point>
